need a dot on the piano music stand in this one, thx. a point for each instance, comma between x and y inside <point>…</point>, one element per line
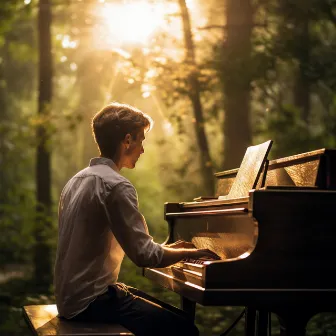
<point>250,170</point>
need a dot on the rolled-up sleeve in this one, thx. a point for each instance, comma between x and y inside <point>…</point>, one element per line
<point>129,226</point>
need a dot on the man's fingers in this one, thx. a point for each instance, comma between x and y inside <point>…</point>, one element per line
<point>210,254</point>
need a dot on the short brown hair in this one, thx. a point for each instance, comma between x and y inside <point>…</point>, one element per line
<point>111,124</point>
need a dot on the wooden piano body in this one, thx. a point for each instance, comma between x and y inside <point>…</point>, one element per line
<point>276,243</point>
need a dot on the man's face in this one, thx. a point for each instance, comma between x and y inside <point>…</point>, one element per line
<point>134,148</point>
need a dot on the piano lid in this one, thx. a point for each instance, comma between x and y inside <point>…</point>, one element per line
<point>310,169</point>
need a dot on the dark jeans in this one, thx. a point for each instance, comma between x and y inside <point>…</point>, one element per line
<point>138,312</point>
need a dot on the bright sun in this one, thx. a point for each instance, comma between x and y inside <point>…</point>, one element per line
<point>133,21</point>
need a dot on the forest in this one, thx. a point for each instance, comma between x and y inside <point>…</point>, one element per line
<point>216,76</point>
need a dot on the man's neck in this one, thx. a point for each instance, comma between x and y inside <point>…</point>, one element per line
<point>117,161</point>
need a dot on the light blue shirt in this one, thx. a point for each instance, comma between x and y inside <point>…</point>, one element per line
<point>98,222</point>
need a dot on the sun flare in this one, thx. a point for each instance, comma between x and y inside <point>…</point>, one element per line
<point>132,22</point>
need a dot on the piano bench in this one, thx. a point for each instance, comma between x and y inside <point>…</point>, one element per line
<point>43,320</point>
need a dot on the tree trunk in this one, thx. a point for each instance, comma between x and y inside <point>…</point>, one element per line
<point>237,81</point>
<point>302,84</point>
<point>3,128</point>
<point>195,97</point>
<point>42,258</point>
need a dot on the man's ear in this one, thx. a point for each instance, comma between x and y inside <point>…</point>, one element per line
<point>127,140</point>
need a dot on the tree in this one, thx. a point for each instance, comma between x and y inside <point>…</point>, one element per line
<point>17,69</point>
<point>236,79</point>
<point>43,267</point>
<point>195,98</point>
<point>298,91</point>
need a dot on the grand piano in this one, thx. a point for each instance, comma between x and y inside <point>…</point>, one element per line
<point>273,224</point>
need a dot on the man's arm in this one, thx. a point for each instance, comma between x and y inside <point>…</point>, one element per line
<point>130,229</point>
<point>174,255</point>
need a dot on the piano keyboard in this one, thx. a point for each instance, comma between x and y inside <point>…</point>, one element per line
<point>200,261</point>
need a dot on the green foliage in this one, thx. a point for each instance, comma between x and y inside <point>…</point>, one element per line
<point>296,136</point>
<point>322,324</point>
<point>16,135</point>
<point>8,10</point>
<point>297,45</point>
<point>14,295</point>
<point>17,198</point>
<point>17,224</point>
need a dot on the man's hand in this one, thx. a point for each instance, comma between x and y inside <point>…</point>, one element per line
<point>195,252</point>
<point>203,254</point>
<point>181,244</point>
<point>174,255</point>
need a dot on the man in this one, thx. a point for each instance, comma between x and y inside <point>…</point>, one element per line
<point>99,222</point>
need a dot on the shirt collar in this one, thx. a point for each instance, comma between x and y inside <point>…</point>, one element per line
<point>105,161</point>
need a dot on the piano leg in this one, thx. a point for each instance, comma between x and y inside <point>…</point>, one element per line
<point>256,322</point>
<point>262,322</point>
<point>188,306</point>
<point>250,319</point>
